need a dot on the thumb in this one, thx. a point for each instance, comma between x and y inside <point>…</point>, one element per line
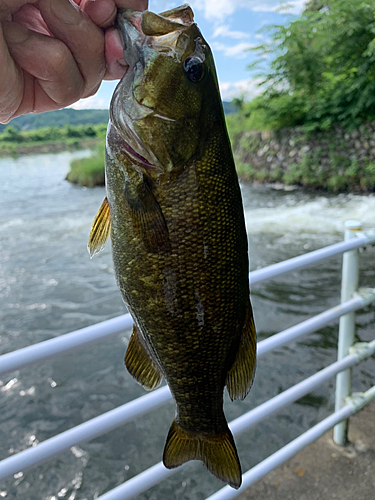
<point>11,82</point>
<point>9,7</point>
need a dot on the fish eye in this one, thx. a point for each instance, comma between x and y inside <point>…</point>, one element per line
<point>193,67</point>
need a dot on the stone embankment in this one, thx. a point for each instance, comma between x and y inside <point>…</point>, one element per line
<point>336,160</point>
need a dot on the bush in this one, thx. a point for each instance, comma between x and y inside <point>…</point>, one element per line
<point>88,171</point>
<point>322,69</point>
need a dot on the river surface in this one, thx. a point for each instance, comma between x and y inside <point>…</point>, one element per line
<point>49,286</point>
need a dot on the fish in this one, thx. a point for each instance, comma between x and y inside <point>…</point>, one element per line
<point>174,215</point>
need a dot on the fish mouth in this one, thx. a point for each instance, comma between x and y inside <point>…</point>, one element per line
<point>139,32</point>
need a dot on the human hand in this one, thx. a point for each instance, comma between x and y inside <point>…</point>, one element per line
<point>55,52</point>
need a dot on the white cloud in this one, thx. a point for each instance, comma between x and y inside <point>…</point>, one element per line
<point>92,102</point>
<point>291,7</point>
<point>238,51</point>
<point>221,9</point>
<point>246,88</point>
<point>224,31</point>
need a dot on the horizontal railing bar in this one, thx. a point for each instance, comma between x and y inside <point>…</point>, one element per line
<point>94,333</point>
<point>244,422</point>
<point>84,432</point>
<point>310,258</point>
<point>149,478</point>
<point>315,323</point>
<point>115,418</point>
<point>281,456</point>
<point>64,344</point>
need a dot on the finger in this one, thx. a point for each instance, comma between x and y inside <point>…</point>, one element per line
<point>8,7</point>
<point>102,13</point>
<point>139,5</point>
<point>11,82</point>
<point>85,40</point>
<point>49,61</point>
<point>29,17</point>
<point>116,65</point>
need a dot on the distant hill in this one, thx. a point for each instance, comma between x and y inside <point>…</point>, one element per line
<point>72,117</point>
<point>59,119</point>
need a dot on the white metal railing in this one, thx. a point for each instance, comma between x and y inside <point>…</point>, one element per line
<point>349,355</point>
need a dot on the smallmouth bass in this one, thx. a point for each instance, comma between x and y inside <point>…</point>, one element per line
<point>174,214</point>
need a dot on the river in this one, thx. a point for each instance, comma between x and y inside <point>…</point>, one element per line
<point>49,286</point>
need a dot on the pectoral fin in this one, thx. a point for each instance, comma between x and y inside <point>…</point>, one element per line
<point>241,374</point>
<point>139,364</point>
<point>100,229</point>
<point>148,220</point>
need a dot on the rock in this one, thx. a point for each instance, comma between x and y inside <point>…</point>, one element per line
<point>266,135</point>
<point>263,150</point>
<point>355,134</point>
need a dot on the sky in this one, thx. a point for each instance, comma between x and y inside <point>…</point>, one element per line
<point>230,27</point>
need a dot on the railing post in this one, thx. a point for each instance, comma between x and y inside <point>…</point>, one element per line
<point>349,285</point>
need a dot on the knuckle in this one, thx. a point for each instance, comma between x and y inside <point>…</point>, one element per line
<point>60,60</point>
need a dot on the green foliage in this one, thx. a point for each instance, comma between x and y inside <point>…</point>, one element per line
<point>52,134</point>
<point>322,69</point>
<point>12,135</point>
<point>88,171</point>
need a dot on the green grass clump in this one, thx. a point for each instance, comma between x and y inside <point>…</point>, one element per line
<point>88,172</point>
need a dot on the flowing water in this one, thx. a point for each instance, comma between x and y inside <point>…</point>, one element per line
<point>49,286</point>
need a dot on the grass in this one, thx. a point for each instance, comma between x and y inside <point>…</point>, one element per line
<point>89,171</point>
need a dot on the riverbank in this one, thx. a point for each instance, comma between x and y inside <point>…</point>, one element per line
<point>324,470</point>
<point>9,149</point>
<point>335,160</point>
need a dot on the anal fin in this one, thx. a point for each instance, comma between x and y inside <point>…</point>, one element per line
<point>241,374</point>
<point>217,452</point>
<point>100,229</point>
<point>140,365</point>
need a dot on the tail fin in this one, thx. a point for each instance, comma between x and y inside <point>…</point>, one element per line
<point>218,453</point>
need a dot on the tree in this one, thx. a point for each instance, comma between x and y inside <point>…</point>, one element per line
<point>11,134</point>
<point>322,68</point>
